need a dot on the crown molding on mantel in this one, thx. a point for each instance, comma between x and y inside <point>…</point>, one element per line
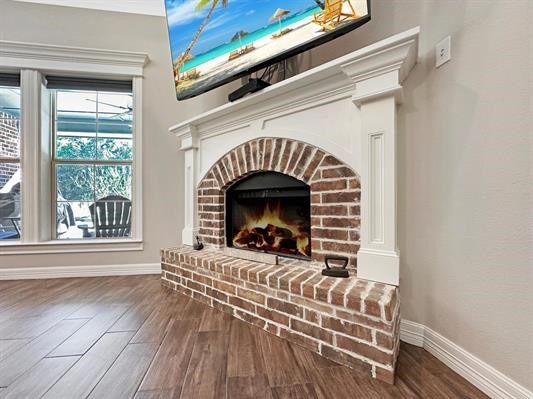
<point>391,58</point>
<point>65,59</point>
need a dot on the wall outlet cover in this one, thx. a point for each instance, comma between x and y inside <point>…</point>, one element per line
<point>443,51</point>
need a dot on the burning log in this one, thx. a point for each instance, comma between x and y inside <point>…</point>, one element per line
<point>288,245</point>
<point>278,231</point>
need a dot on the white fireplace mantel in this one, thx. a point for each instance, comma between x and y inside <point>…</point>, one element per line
<point>348,108</point>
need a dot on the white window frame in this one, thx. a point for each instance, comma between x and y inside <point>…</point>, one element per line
<point>34,61</point>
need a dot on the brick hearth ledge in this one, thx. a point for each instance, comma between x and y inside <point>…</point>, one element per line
<point>351,321</point>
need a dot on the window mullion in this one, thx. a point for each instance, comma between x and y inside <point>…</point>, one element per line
<point>30,126</point>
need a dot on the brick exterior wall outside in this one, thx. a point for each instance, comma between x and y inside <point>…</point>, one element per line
<point>9,145</point>
<point>350,321</point>
<point>335,192</point>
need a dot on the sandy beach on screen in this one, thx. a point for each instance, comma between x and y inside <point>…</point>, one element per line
<point>266,47</point>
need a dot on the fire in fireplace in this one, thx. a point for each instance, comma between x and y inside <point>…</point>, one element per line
<point>269,212</point>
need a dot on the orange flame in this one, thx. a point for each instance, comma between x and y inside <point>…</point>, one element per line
<point>268,231</point>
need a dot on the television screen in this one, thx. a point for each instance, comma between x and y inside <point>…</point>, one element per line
<point>216,41</point>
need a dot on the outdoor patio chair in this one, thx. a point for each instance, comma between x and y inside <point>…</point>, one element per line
<point>8,228</point>
<point>111,216</point>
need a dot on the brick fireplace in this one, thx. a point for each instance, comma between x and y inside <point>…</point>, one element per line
<point>334,192</point>
<point>332,132</point>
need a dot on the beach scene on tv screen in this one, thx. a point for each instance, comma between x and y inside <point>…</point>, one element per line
<point>212,40</point>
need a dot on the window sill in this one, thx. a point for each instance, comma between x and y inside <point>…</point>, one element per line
<point>71,246</point>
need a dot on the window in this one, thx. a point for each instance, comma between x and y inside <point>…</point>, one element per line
<point>10,173</point>
<point>74,140</point>
<point>92,162</point>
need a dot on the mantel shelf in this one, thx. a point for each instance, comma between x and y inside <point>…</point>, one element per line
<point>396,53</point>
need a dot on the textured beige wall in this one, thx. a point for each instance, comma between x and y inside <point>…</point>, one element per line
<point>465,154</point>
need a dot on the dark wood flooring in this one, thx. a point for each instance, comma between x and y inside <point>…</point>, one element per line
<point>126,337</point>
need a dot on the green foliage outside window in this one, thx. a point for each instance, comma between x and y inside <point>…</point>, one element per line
<point>91,182</point>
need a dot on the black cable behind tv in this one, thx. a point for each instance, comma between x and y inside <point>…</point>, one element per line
<point>253,85</point>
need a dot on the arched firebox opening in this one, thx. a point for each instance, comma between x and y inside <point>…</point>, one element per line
<point>269,212</point>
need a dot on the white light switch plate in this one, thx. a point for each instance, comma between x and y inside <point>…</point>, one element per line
<point>443,51</point>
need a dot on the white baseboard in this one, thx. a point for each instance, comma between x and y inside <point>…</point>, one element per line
<point>483,376</point>
<point>22,273</point>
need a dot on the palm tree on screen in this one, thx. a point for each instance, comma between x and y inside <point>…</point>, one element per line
<point>202,4</point>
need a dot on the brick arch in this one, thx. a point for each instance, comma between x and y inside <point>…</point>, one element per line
<point>335,192</point>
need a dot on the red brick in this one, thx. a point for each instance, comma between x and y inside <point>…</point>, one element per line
<point>338,292</point>
<point>346,359</point>
<point>349,222</point>
<point>235,163</point>
<point>273,279</point>
<point>267,154</point>
<point>233,300</point>
<point>306,154</point>
<point>202,279</point>
<point>309,286</point>
<point>311,168</point>
<point>322,290</point>
<point>262,275</point>
<point>285,280</point>
<point>384,340</point>
<point>312,330</point>
<point>216,294</point>
<point>363,320</point>
<point>201,298</point>
<point>313,304</point>
<point>385,375</point>
<point>328,210</point>
<point>335,173</point>
<point>330,160</point>
<point>297,153</point>
<point>370,352</point>
<point>337,247</point>
<point>273,315</point>
<point>222,286</point>
<point>353,298</point>
<point>390,307</point>
<point>253,275</point>
<point>251,295</point>
<point>354,183</point>
<point>296,284</point>
<point>341,197</point>
<point>312,316</point>
<point>329,233</point>
<point>195,286</point>
<point>329,185</point>
<point>284,307</point>
<point>300,340</point>
<point>276,152</point>
<point>351,329</point>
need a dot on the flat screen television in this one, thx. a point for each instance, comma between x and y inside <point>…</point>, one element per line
<point>216,41</point>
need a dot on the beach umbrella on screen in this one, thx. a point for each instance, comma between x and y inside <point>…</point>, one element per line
<point>280,13</point>
<point>239,35</point>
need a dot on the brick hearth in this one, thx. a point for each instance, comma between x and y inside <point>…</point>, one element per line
<point>335,192</point>
<point>351,321</point>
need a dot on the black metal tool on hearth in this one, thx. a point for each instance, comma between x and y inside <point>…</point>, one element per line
<point>198,245</point>
<point>336,271</point>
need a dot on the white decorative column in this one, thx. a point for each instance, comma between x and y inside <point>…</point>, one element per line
<point>378,90</point>
<point>189,145</point>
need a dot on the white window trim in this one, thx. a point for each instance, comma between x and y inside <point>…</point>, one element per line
<point>34,61</point>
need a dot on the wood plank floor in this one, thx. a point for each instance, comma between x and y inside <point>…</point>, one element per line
<point>126,337</point>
